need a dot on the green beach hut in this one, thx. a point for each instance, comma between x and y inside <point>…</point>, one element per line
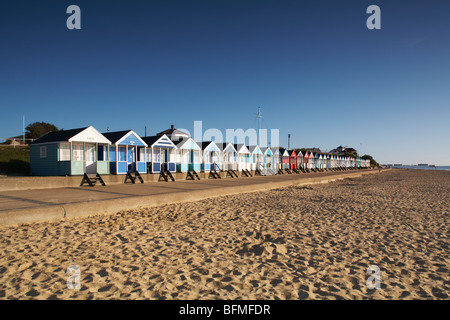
<point>70,152</point>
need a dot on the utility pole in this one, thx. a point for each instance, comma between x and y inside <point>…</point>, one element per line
<point>259,126</point>
<point>289,141</point>
<point>23,129</point>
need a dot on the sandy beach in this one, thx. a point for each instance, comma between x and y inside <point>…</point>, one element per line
<point>310,242</point>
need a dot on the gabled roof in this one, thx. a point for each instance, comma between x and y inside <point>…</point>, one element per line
<point>265,150</point>
<point>117,137</point>
<point>254,149</point>
<point>208,144</point>
<point>173,132</point>
<point>241,148</point>
<point>284,152</point>
<point>188,144</point>
<point>292,153</point>
<point>226,145</point>
<point>162,141</point>
<point>73,135</point>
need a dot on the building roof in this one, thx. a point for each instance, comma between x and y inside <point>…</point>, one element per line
<point>224,145</point>
<point>88,134</point>
<point>239,146</point>
<point>160,141</point>
<point>172,132</point>
<point>115,136</point>
<point>205,144</point>
<point>56,136</point>
<point>151,140</point>
<point>252,149</point>
<point>191,144</point>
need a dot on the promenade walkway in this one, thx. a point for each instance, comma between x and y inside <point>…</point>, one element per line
<point>26,206</point>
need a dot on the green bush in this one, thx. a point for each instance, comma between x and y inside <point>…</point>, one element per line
<point>373,163</point>
<point>14,160</point>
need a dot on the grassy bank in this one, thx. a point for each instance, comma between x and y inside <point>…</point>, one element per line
<point>14,160</point>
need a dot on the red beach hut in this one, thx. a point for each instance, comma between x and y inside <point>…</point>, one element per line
<point>284,159</point>
<point>305,160</point>
<point>292,159</point>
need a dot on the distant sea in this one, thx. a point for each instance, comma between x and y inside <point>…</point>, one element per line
<point>422,167</point>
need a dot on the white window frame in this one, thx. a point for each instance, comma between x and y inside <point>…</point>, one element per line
<point>64,152</point>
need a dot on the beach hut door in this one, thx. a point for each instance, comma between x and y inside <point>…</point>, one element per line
<point>89,157</point>
<point>131,159</point>
<point>165,162</point>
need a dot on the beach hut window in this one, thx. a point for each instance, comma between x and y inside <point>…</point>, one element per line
<point>156,156</point>
<point>43,152</point>
<point>171,156</point>
<point>64,152</point>
<point>77,152</point>
<point>122,153</point>
<point>101,153</point>
<point>141,154</point>
<point>197,157</point>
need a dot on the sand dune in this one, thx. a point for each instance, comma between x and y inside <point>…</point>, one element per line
<point>293,243</point>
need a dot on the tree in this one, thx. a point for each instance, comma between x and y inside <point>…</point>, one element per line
<point>37,129</point>
<point>373,163</point>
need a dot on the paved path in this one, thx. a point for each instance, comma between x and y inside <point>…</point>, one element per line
<point>43,204</point>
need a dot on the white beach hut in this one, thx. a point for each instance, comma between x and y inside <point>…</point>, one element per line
<point>243,157</point>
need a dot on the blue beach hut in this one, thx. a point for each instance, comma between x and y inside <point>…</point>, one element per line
<point>211,156</point>
<point>160,154</point>
<point>125,154</point>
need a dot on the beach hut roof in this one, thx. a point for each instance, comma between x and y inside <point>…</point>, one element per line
<point>117,137</point>
<point>241,148</point>
<point>159,142</point>
<point>226,147</point>
<point>284,152</point>
<point>254,149</point>
<point>188,144</point>
<point>267,150</point>
<point>292,153</point>
<point>209,145</point>
<point>86,134</point>
<point>173,132</point>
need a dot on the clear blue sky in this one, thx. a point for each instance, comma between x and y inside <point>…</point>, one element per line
<point>314,68</point>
